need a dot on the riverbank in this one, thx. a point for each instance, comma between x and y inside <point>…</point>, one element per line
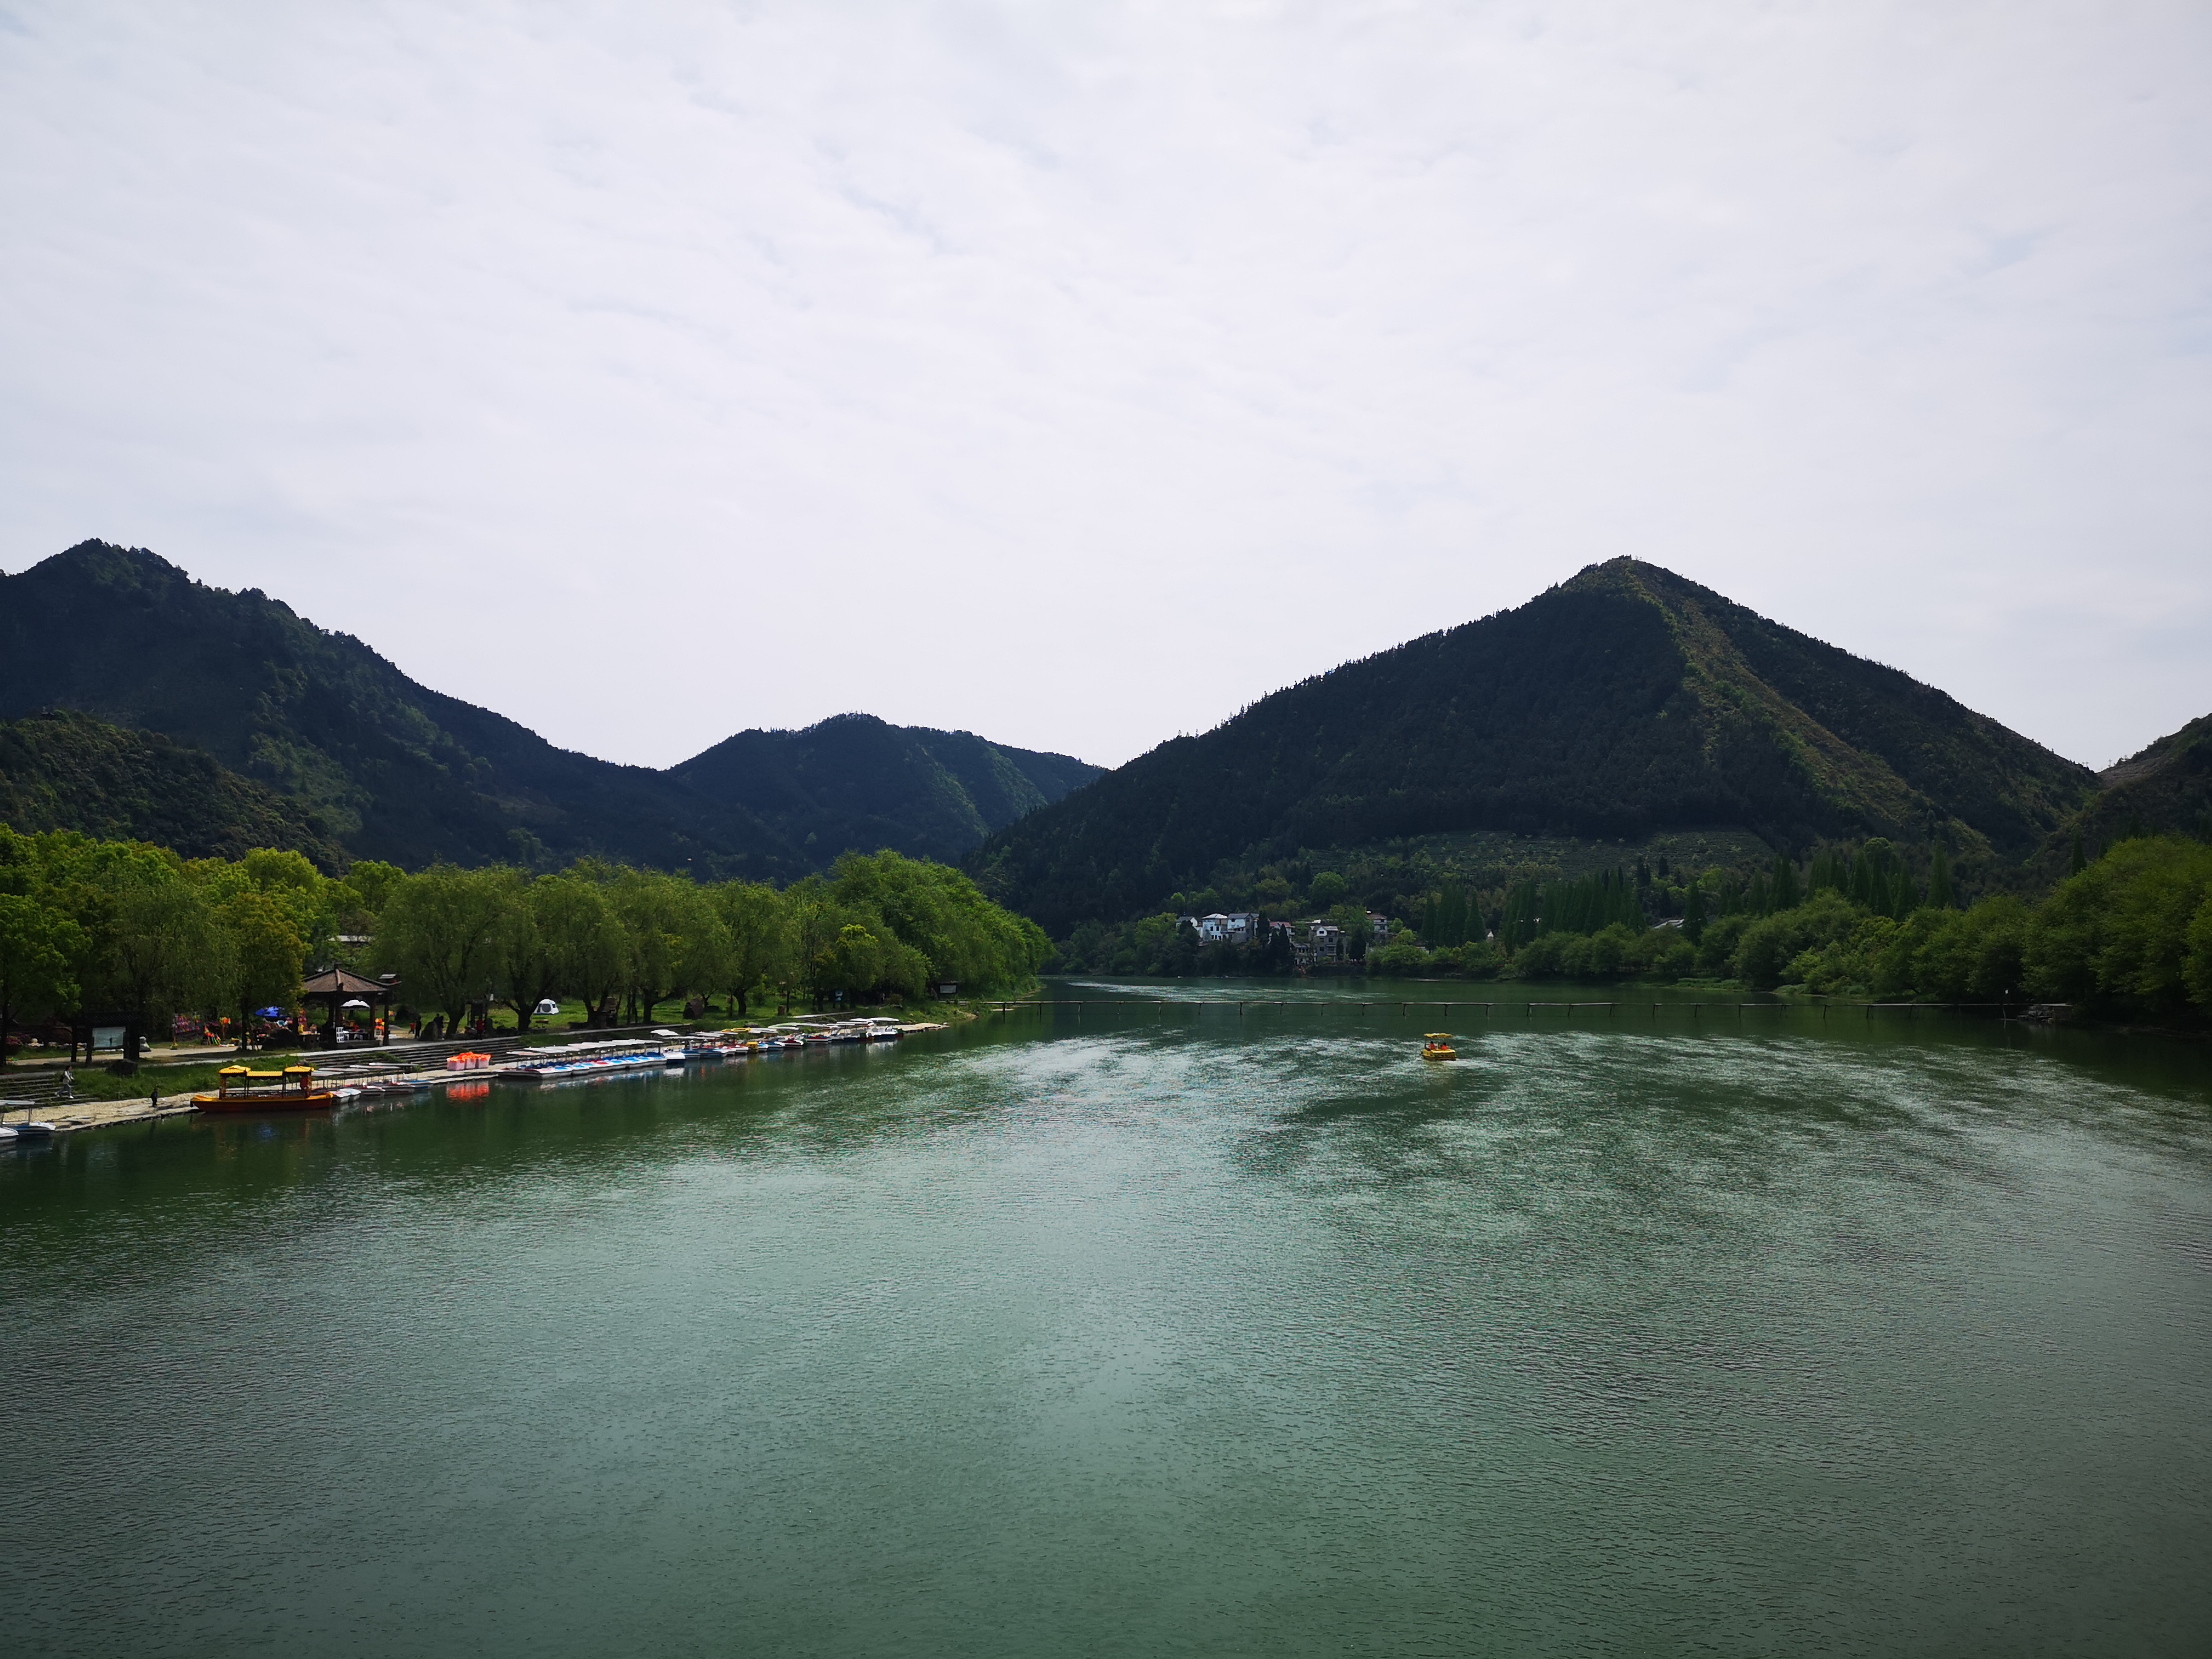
<point>384,1073</point>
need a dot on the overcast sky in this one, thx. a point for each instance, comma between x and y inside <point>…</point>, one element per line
<point>1076,374</point>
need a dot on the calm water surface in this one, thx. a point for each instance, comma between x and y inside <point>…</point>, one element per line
<point>1152,1332</point>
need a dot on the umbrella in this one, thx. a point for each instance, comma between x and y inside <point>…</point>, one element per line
<point>353,1003</point>
<point>268,1013</point>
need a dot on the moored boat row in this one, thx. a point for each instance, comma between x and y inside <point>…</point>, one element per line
<point>670,1049</point>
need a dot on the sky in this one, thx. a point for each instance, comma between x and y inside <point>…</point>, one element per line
<point>1077,374</point>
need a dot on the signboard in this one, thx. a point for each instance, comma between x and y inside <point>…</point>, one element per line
<point>107,1036</point>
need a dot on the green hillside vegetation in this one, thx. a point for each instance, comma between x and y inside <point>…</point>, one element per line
<point>2165,790</point>
<point>1623,704</point>
<point>855,781</point>
<point>130,928</point>
<point>61,769</point>
<point>2129,935</point>
<point>389,769</point>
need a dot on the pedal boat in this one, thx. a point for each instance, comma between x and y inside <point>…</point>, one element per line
<point>1436,1045</point>
<point>292,1089</point>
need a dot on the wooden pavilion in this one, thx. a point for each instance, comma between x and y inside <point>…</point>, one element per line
<point>337,985</point>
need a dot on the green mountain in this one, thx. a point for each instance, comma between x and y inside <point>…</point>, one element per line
<point>391,770</point>
<point>2167,788</point>
<point>61,769</point>
<point>1619,705</point>
<point>854,780</point>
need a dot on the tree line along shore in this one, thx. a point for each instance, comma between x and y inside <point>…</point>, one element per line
<point>2127,935</point>
<point>131,930</point>
<point>117,929</point>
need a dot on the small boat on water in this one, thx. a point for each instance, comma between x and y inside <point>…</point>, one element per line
<point>1436,1045</point>
<point>241,1090</point>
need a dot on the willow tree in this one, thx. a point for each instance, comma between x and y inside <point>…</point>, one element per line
<point>673,941</point>
<point>259,957</point>
<point>525,958</point>
<point>162,943</point>
<point>577,923</point>
<point>439,932</point>
<point>36,947</point>
<point>756,931</point>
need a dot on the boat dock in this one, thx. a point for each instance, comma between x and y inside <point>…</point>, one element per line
<point>419,1068</point>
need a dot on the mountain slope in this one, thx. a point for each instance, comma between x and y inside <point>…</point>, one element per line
<point>857,780</point>
<point>62,769</point>
<point>1623,702</point>
<point>2167,789</point>
<point>394,770</point>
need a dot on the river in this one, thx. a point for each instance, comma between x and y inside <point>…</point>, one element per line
<point>1157,1330</point>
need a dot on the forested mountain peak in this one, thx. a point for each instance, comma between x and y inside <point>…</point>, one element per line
<point>908,787</point>
<point>1620,703</point>
<point>392,769</point>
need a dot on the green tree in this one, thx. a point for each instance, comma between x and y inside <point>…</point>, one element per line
<point>580,933</point>
<point>162,944</point>
<point>36,949</point>
<point>673,939</point>
<point>755,927</point>
<point>439,932</point>
<point>1939,878</point>
<point>259,959</point>
<point>1785,882</point>
<point>526,964</point>
<point>1977,955</point>
<point>2197,964</point>
<point>2119,932</point>
<point>944,917</point>
<point>371,884</point>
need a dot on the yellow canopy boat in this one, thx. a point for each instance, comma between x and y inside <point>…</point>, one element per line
<point>238,1089</point>
<point>1436,1045</point>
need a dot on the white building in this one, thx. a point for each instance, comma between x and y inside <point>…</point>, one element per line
<point>1237,929</point>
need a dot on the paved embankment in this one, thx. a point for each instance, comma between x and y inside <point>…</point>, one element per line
<point>416,1064</point>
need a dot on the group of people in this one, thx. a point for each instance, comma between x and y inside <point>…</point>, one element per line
<point>437,1026</point>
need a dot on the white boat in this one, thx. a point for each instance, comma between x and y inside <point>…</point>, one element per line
<point>33,1131</point>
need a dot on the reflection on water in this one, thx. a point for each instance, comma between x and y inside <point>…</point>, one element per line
<point>1145,1329</point>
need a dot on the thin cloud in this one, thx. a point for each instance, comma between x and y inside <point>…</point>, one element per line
<point>1077,374</point>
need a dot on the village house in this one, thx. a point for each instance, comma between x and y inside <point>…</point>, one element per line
<point>1324,942</point>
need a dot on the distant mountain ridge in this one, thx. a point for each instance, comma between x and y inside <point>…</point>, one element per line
<point>387,768</point>
<point>1624,701</point>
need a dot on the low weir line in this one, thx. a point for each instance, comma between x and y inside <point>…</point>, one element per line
<point>1527,1006</point>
